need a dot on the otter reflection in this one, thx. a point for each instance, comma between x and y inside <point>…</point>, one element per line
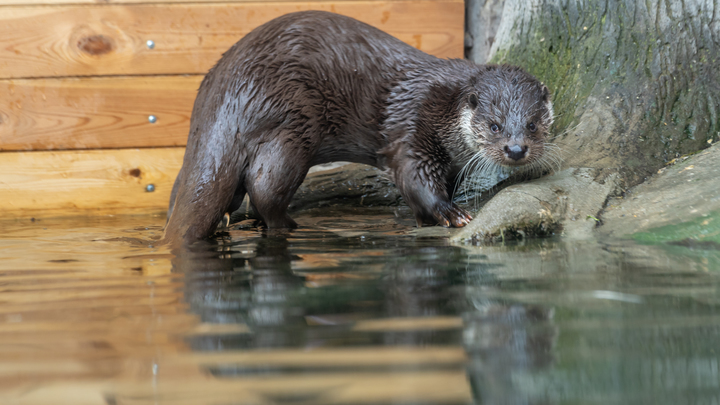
<point>363,294</point>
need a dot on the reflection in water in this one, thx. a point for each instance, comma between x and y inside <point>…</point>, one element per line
<point>503,342</point>
<point>357,310</point>
<point>539,323</point>
<point>344,317</point>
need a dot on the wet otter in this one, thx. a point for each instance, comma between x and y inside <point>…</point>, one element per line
<point>315,87</point>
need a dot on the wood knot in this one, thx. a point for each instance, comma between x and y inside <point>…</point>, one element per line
<point>95,44</point>
<point>135,172</point>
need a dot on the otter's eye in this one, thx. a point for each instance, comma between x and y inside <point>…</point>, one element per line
<point>531,126</point>
<point>495,127</point>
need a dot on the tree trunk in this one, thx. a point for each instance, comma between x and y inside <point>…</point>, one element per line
<point>635,84</point>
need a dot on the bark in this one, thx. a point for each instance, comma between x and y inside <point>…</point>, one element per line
<point>482,18</point>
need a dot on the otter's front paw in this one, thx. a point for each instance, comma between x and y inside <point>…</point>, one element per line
<point>450,215</point>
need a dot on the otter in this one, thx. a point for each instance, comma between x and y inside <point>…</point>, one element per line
<point>314,87</point>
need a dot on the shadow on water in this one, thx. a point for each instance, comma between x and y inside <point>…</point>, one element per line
<point>353,309</point>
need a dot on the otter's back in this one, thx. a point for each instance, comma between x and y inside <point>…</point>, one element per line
<point>315,73</point>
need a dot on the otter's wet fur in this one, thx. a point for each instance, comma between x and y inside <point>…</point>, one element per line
<point>315,87</point>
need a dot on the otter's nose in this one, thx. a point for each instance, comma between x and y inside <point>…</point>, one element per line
<point>516,152</point>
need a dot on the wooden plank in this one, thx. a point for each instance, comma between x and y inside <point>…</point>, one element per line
<point>96,181</point>
<point>109,112</point>
<point>191,386</point>
<point>95,2</point>
<point>368,325</point>
<point>189,38</point>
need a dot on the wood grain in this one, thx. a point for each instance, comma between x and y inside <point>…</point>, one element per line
<point>183,385</point>
<point>76,40</point>
<point>94,113</point>
<point>87,182</point>
<point>95,2</point>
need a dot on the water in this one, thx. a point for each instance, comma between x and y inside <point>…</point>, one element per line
<point>353,308</point>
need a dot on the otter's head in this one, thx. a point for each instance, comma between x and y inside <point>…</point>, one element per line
<point>507,117</point>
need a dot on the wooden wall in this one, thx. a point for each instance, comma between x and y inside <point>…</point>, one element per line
<point>78,83</point>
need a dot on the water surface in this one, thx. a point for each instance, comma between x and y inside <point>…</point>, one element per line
<point>352,308</point>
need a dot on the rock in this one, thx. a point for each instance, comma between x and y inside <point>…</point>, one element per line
<point>349,185</point>
<point>682,202</point>
<point>568,201</point>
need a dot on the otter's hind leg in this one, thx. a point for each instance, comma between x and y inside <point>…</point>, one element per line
<point>271,182</point>
<point>201,196</point>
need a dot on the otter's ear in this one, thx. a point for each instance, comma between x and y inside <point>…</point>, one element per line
<point>545,93</point>
<point>473,100</point>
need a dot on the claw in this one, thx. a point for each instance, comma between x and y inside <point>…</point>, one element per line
<point>450,215</point>
<point>465,220</point>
